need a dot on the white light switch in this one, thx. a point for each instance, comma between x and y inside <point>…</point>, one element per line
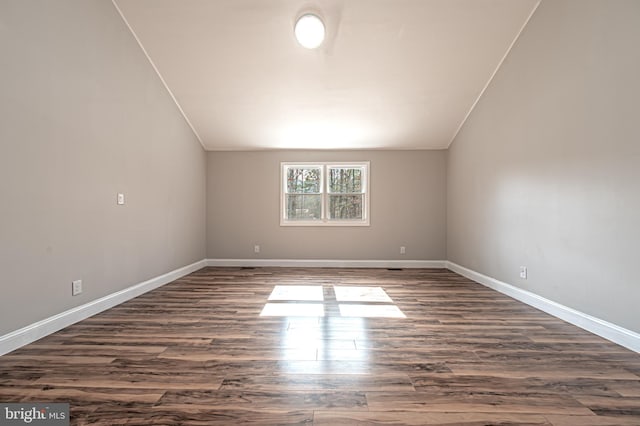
<point>120,199</point>
<point>76,287</point>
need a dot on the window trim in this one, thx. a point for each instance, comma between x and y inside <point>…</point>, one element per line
<point>324,188</point>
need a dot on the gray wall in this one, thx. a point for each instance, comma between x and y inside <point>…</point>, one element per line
<point>82,117</point>
<point>546,171</point>
<point>407,208</point>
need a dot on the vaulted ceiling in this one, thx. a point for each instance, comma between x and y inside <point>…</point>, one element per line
<point>392,74</point>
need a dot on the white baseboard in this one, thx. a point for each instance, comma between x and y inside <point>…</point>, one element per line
<point>623,337</point>
<point>322,263</point>
<point>40,329</point>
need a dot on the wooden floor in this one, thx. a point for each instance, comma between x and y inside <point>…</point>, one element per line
<point>197,352</point>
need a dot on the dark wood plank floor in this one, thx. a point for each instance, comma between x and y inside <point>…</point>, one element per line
<point>196,352</point>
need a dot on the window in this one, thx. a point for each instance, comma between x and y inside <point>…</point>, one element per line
<point>324,194</point>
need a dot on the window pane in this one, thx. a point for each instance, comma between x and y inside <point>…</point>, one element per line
<point>345,206</point>
<point>345,180</point>
<point>303,180</point>
<point>304,207</point>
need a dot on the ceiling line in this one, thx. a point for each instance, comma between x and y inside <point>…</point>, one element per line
<point>159,75</point>
<point>464,120</point>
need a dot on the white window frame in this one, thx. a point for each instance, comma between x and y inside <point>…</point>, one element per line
<point>324,191</point>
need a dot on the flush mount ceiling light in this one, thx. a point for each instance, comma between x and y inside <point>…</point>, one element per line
<point>309,31</point>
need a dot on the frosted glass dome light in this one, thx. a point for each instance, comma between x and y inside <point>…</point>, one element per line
<point>309,31</point>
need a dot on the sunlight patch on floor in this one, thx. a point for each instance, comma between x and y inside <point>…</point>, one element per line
<point>307,293</point>
<point>292,310</point>
<point>361,294</point>
<point>366,302</point>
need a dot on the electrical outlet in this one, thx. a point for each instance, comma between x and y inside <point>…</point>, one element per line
<point>120,199</point>
<point>76,287</point>
<point>256,249</point>
<point>403,249</point>
<point>523,272</point>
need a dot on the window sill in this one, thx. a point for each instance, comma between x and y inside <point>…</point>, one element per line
<point>325,223</point>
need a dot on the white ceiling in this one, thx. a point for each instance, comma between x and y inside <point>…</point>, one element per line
<point>392,74</point>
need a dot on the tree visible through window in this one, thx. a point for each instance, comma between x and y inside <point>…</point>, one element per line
<point>304,193</point>
<point>345,193</point>
<point>324,194</point>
